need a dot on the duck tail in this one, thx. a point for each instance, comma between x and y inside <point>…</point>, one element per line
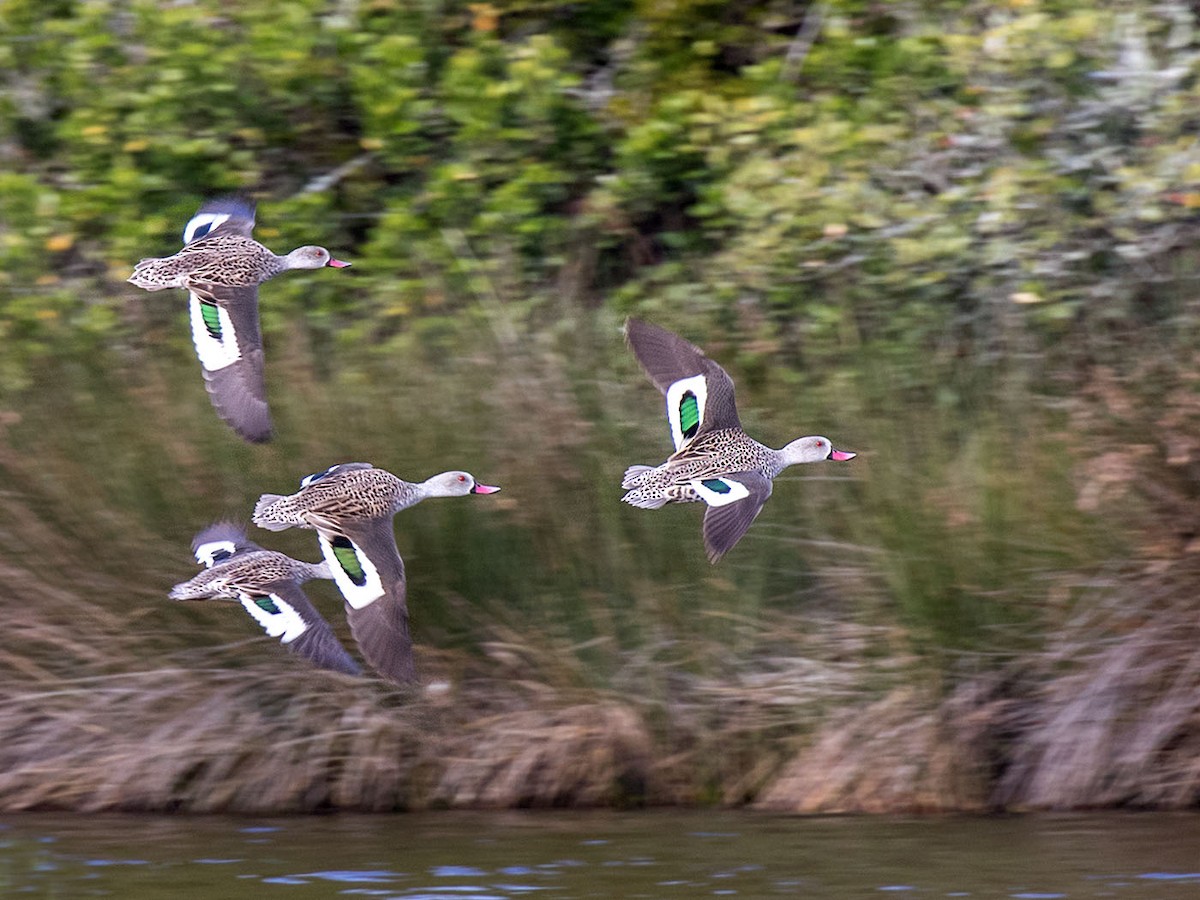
<point>633,475</point>
<point>272,514</point>
<point>641,500</point>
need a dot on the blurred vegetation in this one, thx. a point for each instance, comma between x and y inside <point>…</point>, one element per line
<point>956,237</point>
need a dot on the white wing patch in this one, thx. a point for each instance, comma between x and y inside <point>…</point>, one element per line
<point>720,491</point>
<point>316,476</point>
<point>199,226</point>
<point>697,385</point>
<point>206,554</point>
<point>357,595</point>
<point>286,624</point>
<point>214,352</point>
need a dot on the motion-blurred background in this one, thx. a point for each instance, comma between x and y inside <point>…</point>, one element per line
<point>957,238</point>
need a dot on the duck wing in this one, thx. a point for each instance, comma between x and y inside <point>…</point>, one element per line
<point>734,501</point>
<point>229,215</point>
<point>219,542</point>
<point>699,393</point>
<point>285,612</point>
<point>228,340</point>
<point>369,572</point>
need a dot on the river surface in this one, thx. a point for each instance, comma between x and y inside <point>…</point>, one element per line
<point>471,856</point>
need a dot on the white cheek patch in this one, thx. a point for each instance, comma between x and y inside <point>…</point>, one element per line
<point>354,574</point>
<point>208,555</point>
<point>216,351</point>
<point>202,224</point>
<point>284,623</point>
<point>720,491</point>
<point>686,399</point>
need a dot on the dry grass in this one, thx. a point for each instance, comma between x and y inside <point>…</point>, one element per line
<point>1116,721</point>
<point>244,728</point>
<point>909,752</point>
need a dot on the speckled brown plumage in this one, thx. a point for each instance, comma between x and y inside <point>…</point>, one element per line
<point>351,506</point>
<point>715,461</point>
<point>353,491</point>
<point>221,266</point>
<point>250,572</point>
<point>224,258</point>
<point>707,455</point>
<point>268,586</point>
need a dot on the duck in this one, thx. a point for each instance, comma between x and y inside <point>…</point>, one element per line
<point>268,586</point>
<point>221,267</point>
<point>351,506</point>
<point>715,461</point>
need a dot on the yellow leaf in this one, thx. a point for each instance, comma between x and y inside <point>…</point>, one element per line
<point>60,242</point>
<point>484,16</point>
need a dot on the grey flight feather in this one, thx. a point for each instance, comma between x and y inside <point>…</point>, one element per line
<point>238,391</point>
<point>381,627</point>
<point>666,358</point>
<point>224,531</point>
<point>240,211</point>
<point>318,644</point>
<point>725,525</point>
<point>252,572</point>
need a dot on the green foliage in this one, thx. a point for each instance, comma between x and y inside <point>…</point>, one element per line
<point>920,165</point>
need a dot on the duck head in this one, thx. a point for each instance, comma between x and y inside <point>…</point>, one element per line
<point>813,448</point>
<point>312,257</point>
<point>456,484</point>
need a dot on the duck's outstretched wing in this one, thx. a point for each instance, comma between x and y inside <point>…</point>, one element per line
<point>285,612</point>
<point>221,541</point>
<point>369,572</point>
<point>229,215</point>
<point>734,501</point>
<point>228,340</point>
<point>699,393</point>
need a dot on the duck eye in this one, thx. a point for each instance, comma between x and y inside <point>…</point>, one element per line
<point>462,477</point>
<point>820,443</point>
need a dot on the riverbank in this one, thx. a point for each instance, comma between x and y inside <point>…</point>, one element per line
<point>952,624</point>
<point>813,721</point>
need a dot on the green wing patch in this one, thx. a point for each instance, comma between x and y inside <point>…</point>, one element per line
<point>689,414</point>
<point>347,557</point>
<point>716,485</point>
<point>212,318</point>
<point>267,605</point>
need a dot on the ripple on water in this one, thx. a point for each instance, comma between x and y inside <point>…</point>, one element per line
<point>117,862</point>
<point>344,876</point>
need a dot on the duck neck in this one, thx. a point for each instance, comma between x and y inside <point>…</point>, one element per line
<point>411,493</point>
<point>777,461</point>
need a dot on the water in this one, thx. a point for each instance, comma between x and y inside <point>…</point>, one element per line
<point>470,856</point>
